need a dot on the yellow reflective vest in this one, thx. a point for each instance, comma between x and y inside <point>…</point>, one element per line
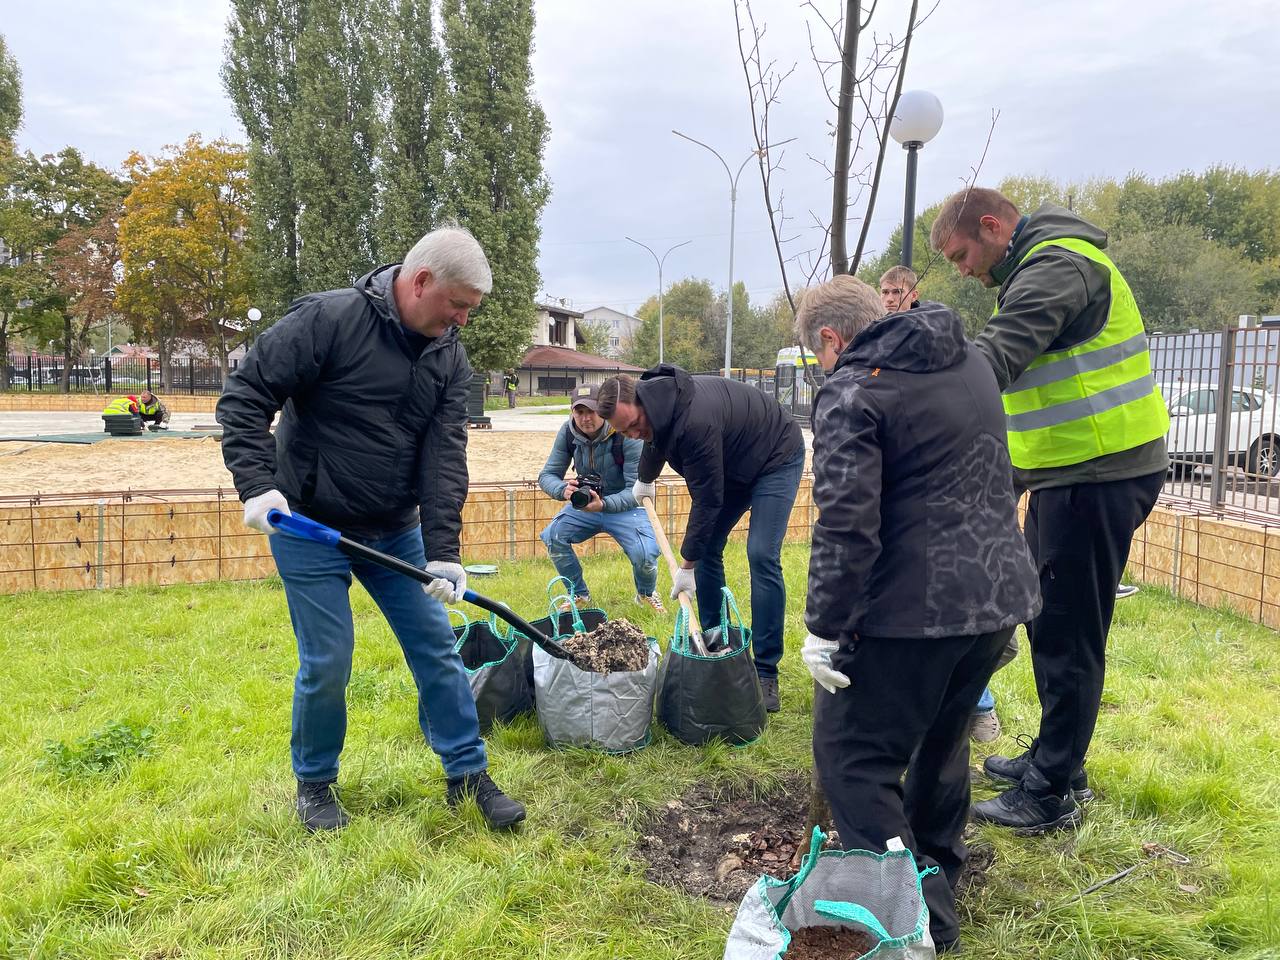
<point>120,405</point>
<point>1091,399</point>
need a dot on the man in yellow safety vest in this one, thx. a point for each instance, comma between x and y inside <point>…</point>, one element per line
<point>1086,426</point>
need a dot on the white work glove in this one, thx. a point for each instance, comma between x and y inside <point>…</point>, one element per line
<point>450,581</point>
<point>257,508</point>
<point>817,657</point>
<point>682,581</point>
<point>640,490</point>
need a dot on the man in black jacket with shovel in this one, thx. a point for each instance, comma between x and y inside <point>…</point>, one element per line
<point>738,450</point>
<point>373,383</point>
<point>918,573</point>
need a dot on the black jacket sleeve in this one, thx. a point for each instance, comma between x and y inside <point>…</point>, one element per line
<point>702,458</point>
<point>286,359</point>
<point>651,464</point>
<point>847,471</point>
<point>442,489</point>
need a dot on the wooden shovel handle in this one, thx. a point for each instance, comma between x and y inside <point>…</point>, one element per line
<point>695,631</point>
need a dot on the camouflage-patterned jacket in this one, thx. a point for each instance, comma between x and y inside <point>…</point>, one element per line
<point>917,532</point>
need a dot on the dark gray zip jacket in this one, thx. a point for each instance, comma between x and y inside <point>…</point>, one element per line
<point>1055,300</point>
<point>917,532</point>
<point>593,455</point>
<point>719,434</point>
<point>370,440</point>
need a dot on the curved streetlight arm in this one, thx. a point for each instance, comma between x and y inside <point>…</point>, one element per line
<point>713,150</point>
<point>659,262</point>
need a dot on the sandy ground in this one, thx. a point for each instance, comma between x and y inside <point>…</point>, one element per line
<point>48,468</point>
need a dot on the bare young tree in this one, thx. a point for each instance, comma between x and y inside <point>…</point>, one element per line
<point>864,93</point>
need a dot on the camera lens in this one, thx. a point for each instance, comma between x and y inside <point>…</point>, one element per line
<point>580,498</point>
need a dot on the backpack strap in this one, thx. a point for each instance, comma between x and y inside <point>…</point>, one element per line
<point>619,457</point>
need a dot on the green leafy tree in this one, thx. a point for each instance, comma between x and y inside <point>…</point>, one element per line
<point>411,154</point>
<point>83,267</point>
<point>45,198</point>
<point>10,94</point>
<point>593,338</point>
<point>688,308</point>
<point>331,143</point>
<point>494,183</point>
<point>260,75</point>
<point>1182,280</point>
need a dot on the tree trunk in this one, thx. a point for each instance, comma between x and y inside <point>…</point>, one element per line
<point>844,139</point>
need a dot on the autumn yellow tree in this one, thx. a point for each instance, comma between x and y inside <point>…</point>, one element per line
<point>182,237</point>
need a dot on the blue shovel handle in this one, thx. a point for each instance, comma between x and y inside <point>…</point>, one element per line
<point>303,527</point>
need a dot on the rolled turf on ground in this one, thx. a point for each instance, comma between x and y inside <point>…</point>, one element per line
<point>188,847</point>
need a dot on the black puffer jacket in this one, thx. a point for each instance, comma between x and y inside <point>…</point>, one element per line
<point>917,532</point>
<point>719,434</point>
<point>370,440</point>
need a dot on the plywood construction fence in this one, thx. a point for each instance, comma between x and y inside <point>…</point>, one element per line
<point>73,402</point>
<point>96,541</point>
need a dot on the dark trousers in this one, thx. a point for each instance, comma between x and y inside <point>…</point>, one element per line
<point>1079,536</point>
<point>907,710</point>
<point>770,501</point>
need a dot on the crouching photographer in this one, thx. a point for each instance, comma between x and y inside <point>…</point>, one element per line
<point>598,499</point>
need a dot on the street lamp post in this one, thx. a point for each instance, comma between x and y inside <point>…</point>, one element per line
<point>659,262</point>
<point>916,121</point>
<point>733,203</point>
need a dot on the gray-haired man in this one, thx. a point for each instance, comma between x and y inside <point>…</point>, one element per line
<point>373,382</point>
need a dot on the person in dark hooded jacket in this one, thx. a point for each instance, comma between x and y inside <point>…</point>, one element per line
<point>738,450</point>
<point>372,385</point>
<point>918,573</point>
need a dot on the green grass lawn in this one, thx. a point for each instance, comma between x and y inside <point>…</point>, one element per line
<point>186,845</point>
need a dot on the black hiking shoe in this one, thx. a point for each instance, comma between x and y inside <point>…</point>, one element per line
<point>1013,769</point>
<point>1029,809</point>
<point>499,810</point>
<point>769,687</point>
<point>318,805</point>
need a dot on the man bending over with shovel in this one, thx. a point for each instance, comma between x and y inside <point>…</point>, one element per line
<point>373,383</point>
<point>739,451</point>
<point>918,573</point>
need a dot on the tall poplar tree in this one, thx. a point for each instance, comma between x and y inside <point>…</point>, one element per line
<point>411,155</point>
<point>331,143</point>
<point>260,75</point>
<point>494,183</point>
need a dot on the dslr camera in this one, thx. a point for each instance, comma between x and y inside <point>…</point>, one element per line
<point>586,483</point>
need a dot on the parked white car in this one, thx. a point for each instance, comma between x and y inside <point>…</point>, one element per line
<point>1253,433</point>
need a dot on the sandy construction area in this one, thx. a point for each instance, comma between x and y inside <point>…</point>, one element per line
<point>51,468</point>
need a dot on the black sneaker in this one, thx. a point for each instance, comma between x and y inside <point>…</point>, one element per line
<point>499,810</point>
<point>1013,769</point>
<point>769,687</point>
<point>318,805</point>
<point>1029,809</point>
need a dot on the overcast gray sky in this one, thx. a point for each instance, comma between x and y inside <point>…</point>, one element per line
<point>1089,88</point>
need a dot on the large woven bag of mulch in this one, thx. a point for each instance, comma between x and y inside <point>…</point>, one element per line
<point>712,693</point>
<point>854,902</point>
<point>494,660</point>
<point>558,623</point>
<point>603,698</point>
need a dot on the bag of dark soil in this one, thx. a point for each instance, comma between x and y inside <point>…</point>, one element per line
<point>560,623</point>
<point>494,660</point>
<point>876,895</point>
<point>603,698</point>
<point>717,695</point>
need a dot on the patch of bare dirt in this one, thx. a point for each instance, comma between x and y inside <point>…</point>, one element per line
<point>714,844</point>
<point>830,943</point>
<point>614,646</point>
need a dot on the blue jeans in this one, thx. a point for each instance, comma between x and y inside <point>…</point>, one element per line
<point>630,528</point>
<point>770,501</point>
<point>986,702</point>
<point>317,578</point>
